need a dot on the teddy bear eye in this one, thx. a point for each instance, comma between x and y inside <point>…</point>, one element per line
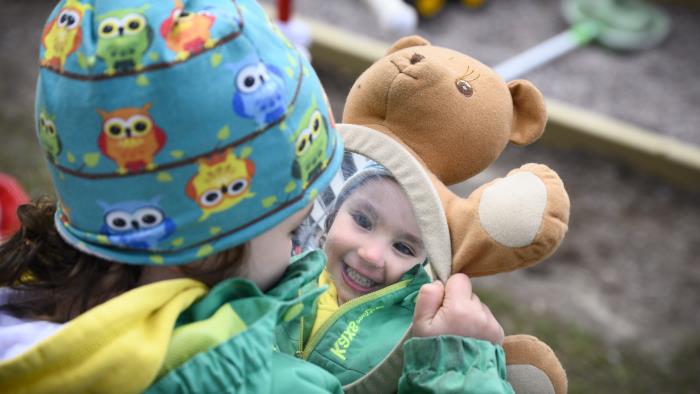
<point>464,87</point>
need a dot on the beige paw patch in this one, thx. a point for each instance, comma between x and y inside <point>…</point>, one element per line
<point>511,209</point>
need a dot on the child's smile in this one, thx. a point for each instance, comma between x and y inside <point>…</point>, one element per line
<point>358,281</point>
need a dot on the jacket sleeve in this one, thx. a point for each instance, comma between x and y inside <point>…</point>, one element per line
<point>292,375</point>
<point>452,364</point>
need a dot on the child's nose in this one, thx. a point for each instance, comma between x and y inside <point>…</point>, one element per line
<point>373,253</point>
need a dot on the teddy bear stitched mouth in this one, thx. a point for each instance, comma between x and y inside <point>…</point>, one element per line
<point>402,69</point>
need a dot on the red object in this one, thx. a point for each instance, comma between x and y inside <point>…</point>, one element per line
<point>11,196</point>
<point>284,10</point>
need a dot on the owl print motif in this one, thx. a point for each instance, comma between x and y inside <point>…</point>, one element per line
<point>222,181</point>
<point>63,35</point>
<point>260,92</point>
<point>131,138</point>
<point>187,32</point>
<point>123,37</point>
<point>136,224</point>
<point>311,144</point>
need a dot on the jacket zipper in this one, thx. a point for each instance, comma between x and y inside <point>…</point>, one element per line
<point>300,351</point>
<point>313,341</point>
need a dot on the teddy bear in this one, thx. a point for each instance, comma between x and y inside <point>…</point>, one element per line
<point>453,116</point>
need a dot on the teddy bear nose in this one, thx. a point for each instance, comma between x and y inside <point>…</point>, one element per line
<point>417,57</point>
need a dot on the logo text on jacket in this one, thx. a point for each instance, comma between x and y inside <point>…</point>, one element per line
<point>341,345</point>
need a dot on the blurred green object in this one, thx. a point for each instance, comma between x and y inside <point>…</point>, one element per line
<point>617,24</point>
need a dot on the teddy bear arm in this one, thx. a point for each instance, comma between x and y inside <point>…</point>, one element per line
<point>509,223</point>
<point>532,366</point>
<point>474,252</point>
<point>555,215</point>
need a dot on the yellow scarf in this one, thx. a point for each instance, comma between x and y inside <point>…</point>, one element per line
<point>116,347</point>
<point>327,302</point>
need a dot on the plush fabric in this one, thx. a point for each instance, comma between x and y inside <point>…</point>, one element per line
<point>517,226</point>
<point>530,359</point>
<point>477,253</point>
<point>530,380</point>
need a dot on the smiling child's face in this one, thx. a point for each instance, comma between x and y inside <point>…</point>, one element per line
<point>374,239</point>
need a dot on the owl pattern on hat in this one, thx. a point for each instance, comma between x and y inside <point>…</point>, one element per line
<point>185,141</point>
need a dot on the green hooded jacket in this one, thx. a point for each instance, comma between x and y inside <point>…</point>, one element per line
<point>174,336</point>
<point>364,331</point>
<point>224,343</point>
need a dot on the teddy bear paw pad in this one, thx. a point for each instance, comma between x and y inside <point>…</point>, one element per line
<point>512,208</point>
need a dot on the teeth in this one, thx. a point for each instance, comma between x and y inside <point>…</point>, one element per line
<point>359,278</point>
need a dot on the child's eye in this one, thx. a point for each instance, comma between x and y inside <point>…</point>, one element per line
<point>404,249</point>
<point>362,221</point>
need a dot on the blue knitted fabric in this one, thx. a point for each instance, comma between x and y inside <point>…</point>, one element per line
<point>177,129</point>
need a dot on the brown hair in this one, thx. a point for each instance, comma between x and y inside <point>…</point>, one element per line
<point>54,281</point>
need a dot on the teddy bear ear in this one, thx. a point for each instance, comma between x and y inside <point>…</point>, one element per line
<point>407,42</point>
<point>529,112</point>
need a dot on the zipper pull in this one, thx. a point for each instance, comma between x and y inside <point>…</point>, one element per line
<point>300,352</point>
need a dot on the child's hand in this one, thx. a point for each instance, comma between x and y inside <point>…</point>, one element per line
<point>454,310</point>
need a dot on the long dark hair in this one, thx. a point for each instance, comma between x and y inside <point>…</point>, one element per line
<point>54,281</point>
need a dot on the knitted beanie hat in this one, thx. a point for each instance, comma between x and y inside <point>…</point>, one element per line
<point>371,171</point>
<point>177,129</point>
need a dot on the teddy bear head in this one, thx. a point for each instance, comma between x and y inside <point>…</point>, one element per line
<point>446,107</point>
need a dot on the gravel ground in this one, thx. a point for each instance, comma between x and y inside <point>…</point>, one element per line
<point>630,266</point>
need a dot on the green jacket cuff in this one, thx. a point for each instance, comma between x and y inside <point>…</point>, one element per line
<point>453,364</point>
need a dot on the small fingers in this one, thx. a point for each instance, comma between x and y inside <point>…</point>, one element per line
<point>429,301</point>
<point>458,287</point>
<point>493,329</point>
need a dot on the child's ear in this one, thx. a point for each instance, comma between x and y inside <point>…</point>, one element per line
<point>529,112</point>
<point>407,42</point>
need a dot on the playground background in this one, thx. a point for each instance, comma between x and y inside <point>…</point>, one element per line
<point>619,300</point>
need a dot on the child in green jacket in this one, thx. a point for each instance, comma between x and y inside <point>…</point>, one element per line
<point>186,141</point>
<point>376,255</point>
<point>172,130</point>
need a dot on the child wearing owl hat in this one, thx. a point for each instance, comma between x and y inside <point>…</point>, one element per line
<point>186,141</point>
